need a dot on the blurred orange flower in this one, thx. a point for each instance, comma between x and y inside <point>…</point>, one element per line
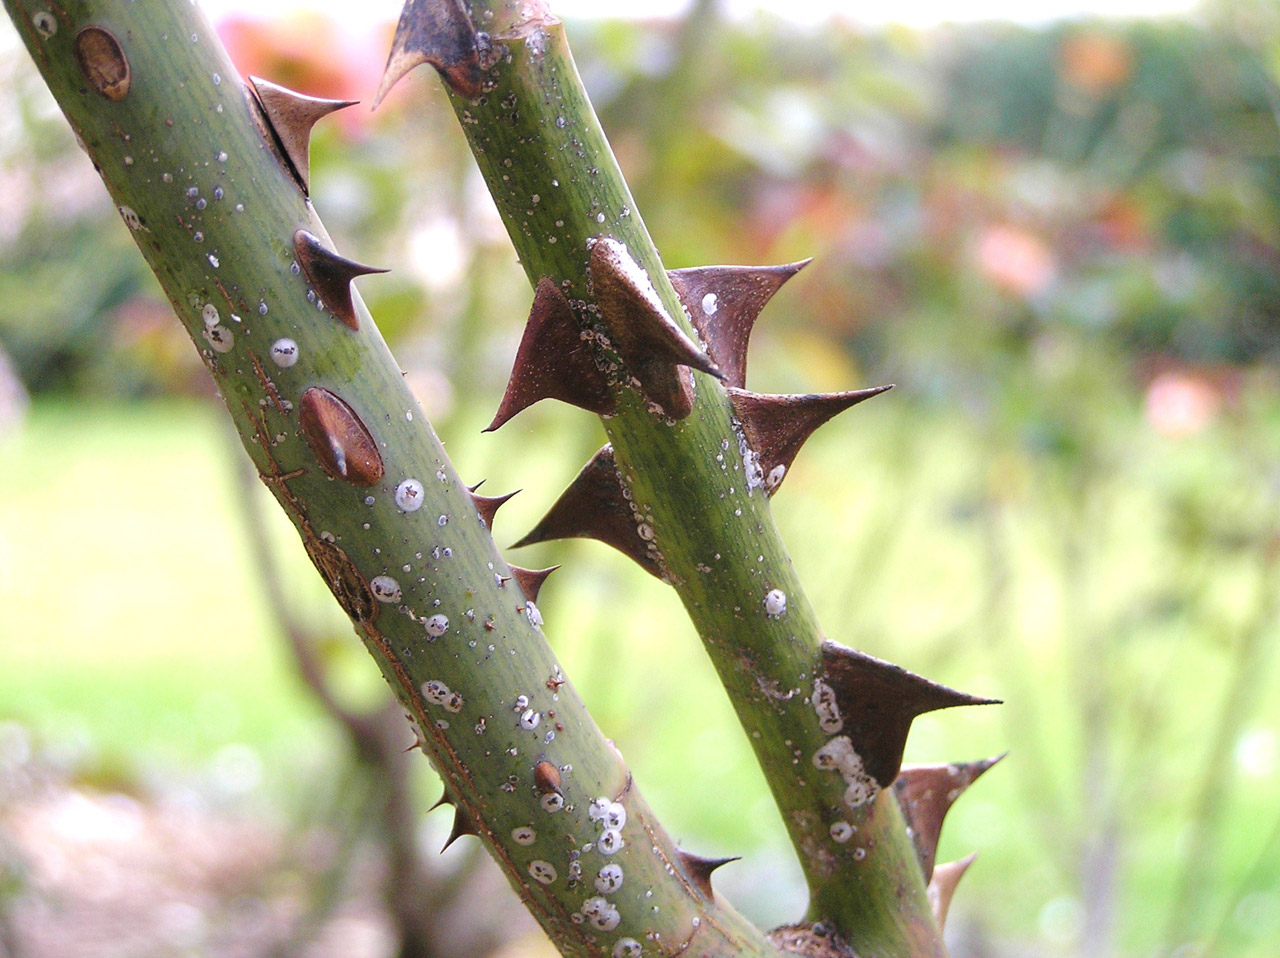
<point>308,52</point>
<point>1095,62</point>
<point>1181,404</point>
<point>1015,260</point>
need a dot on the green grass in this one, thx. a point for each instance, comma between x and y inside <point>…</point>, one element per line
<point>131,623</point>
<point>134,631</point>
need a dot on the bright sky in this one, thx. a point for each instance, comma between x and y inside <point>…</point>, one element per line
<point>912,12</point>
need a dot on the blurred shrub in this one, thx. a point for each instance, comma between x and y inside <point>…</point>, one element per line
<point>966,191</point>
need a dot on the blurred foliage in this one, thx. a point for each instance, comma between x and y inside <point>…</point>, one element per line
<point>1061,243</point>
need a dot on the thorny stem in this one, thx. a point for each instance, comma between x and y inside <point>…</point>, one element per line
<point>557,185</point>
<point>335,434</point>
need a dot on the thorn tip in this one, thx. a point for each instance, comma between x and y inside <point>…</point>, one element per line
<point>291,115</point>
<point>330,275</point>
<point>593,507</point>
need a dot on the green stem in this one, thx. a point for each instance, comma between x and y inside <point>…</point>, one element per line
<point>179,143</point>
<point>557,185</point>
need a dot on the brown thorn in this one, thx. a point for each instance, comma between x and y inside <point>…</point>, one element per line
<point>877,702</point>
<point>280,476</point>
<point>462,825</point>
<point>444,799</point>
<point>943,885</point>
<point>291,116</point>
<point>330,275</point>
<point>733,298</point>
<point>777,426</point>
<point>650,343</point>
<point>925,794</point>
<point>699,870</point>
<point>593,507</point>
<point>553,361</point>
<point>487,506</point>
<point>438,32</point>
<point>530,580</point>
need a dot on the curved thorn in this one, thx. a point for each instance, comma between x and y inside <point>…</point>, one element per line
<point>444,799</point>
<point>723,303</point>
<point>699,869</point>
<point>943,886</point>
<point>877,702</point>
<point>593,507</point>
<point>462,825</point>
<point>650,343</point>
<point>330,275</point>
<point>530,580</point>
<point>776,426</point>
<point>438,32</point>
<point>291,116</point>
<point>553,361</point>
<point>926,793</point>
<point>487,506</point>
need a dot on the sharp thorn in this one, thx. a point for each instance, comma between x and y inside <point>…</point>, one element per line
<point>330,275</point>
<point>530,580</point>
<point>438,32</point>
<point>776,426</point>
<point>723,303</point>
<point>926,793</point>
<point>553,361</point>
<point>462,825</point>
<point>444,799</point>
<point>699,869</point>
<point>593,507</point>
<point>487,506</point>
<point>291,116</point>
<point>650,343</point>
<point>875,703</point>
<point>943,886</point>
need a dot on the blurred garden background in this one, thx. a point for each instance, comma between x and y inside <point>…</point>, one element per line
<point>1061,242</point>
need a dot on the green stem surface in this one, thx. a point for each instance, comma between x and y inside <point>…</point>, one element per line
<point>214,211</point>
<point>557,185</point>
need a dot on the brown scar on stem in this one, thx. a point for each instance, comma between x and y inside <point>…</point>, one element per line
<point>688,942</point>
<point>275,479</point>
<point>227,296</point>
<point>267,385</point>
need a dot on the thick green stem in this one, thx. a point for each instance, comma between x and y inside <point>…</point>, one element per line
<point>324,414</point>
<point>557,185</point>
